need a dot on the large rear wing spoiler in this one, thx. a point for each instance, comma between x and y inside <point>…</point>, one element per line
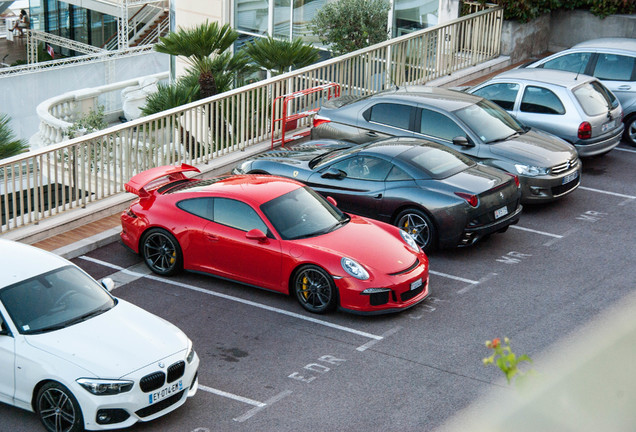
<point>156,177</point>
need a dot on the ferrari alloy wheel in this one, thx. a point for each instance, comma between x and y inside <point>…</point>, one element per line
<point>58,409</point>
<point>416,223</point>
<point>315,289</point>
<point>161,252</point>
<point>630,130</point>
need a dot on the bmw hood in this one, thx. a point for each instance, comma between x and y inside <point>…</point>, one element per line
<point>535,148</point>
<point>115,343</point>
<point>369,243</point>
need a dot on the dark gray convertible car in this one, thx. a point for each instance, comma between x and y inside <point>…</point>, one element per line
<point>547,166</point>
<point>439,196</point>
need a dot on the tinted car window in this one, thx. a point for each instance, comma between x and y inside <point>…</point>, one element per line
<point>202,207</point>
<point>436,162</point>
<point>364,168</point>
<point>503,94</point>
<point>438,125</point>
<point>594,99</point>
<point>614,67</point>
<point>488,121</point>
<point>397,174</point>
<point>390,114</point>
<point>574,62</point>
<point>541,100</point>
<point>237,214</point>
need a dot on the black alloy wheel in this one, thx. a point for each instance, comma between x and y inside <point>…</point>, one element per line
<point>161,252</point>
<point>630,130</point>
<point>419,225</point>
<point>315,289</point>
<point>58,409</point>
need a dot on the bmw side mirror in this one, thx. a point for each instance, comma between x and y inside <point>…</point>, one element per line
<point>462,141</point>
<point>333,173</point>
<point>256,234</point>
<point>108,283</point>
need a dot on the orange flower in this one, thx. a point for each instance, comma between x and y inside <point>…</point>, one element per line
<point>495,342</point>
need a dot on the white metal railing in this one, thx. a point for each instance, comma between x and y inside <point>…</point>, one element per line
<point>46,182</point>
<point>57,114</point>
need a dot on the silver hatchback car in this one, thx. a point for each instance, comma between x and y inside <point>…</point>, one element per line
<point>613,62</point>
<point>577,108</point>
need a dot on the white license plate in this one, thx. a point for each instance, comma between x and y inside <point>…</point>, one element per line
<point>568,178</point>
<point>501,212</point>
<point>415,285</point>
<point>165,392</point>
<point>609,125</point>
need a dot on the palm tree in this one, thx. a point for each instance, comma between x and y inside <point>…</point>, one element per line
<point>9,145</point>
<point>198,45</point>
<point>279,56</point>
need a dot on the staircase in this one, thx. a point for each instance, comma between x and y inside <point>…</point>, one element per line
<point>147,24</point>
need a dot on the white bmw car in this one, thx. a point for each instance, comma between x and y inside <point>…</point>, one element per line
<point>79,357</point>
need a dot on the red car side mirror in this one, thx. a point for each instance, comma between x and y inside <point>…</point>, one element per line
<point>332,201</point>
<point>256,234</point>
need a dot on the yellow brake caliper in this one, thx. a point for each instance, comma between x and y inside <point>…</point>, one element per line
<point>305,288</point>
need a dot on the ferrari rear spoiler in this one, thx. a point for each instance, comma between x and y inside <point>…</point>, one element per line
<point>142,182</point>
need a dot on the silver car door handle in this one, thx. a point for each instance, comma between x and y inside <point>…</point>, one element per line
<point>624,87</point>
<point>372,134</point>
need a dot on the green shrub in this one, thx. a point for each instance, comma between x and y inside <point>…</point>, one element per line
<point>526,10</point>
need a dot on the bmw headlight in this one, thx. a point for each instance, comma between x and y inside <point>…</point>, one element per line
<point>530,170</point>
<point>354,269</point>
<point>102,387</point>
<point>190,356</point>
<point>408,238</point>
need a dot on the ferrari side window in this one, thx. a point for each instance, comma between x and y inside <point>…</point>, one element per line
<point>364,168</point>
<point>237,214</point>
<point>202,207</point>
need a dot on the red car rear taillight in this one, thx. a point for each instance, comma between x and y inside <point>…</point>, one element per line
<point>516,177</point>
<point>585,130</point>
<point>471,199</point>
<point>318,120</point>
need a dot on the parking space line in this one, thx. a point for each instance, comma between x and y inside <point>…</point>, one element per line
<point>607,192</point>
<point>238,300</point>
<point>536,232</point>
<point>480,281</point>
<point>268,402</point>
<point>373,342</point>
<point>232,396</point>
<point>457,278</point>
<point>625,150</point>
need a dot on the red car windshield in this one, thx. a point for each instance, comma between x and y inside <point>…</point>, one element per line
<point>302,213</point>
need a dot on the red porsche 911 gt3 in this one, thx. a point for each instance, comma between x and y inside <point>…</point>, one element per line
<point>274,233</point>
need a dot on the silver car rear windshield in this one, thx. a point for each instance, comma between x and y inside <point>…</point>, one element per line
<point>489,122</point>
<point>594,98</point>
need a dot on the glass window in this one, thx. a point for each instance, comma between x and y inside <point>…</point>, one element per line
<point>302,213</point>
<point>574,62</point>
<point>489,122</point>
<point>594,98</point>
<point>364,168</point>
<point>615,67</point>
<point>503,94</point>
<point>438,125</point>
<point>411,16</point>
<point>202,207</point>
<point>237,214</point>
<point>251,16</point>
<point>55,300</point>
<point>541,100</point>
<point>436,161</point>
<point>398,174</point>
<point>395,115</point>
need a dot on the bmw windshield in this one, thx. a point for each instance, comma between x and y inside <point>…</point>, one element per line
<point>489,122</point>
<point>302,213</point>
<point>55,300</point>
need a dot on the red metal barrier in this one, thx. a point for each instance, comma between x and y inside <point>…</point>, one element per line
<point>290,121</point>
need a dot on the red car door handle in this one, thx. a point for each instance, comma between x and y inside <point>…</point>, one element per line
<point>212,237</point>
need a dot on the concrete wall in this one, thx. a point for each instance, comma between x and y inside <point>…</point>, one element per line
<point>560,30</point>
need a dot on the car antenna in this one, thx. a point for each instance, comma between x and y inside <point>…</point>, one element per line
<point>578,72</point>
